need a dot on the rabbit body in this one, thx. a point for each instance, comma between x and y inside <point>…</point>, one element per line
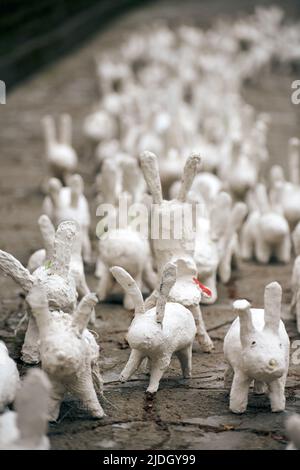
<point>256,347</point>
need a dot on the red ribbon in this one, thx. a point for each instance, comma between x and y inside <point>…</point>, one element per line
<point>205,289</point>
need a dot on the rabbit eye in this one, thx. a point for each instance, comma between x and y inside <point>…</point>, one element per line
<point>253,343</point>
<point>280,345</point>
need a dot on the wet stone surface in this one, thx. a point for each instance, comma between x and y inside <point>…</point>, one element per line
<point>185,414</point>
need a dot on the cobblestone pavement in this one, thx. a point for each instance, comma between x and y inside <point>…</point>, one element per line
<point>185,414</point>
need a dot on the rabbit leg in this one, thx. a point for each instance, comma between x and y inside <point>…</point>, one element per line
<point>203,337</point>
<point>247,244</point>
<point>84,389</point>
<point>158,367</point>
<point>132,365</point>
<point>276,394</point>
<point>97,377</point>
<point>146,366</point>
<point>262,250</point>
<point>185,359</point>
<point>239,392</point>
<point>30,348</point>
<point>228,377</point>
<point>105,284</point>
<point>259,387</point>
<point>55,399</point>
<point>283,250</point>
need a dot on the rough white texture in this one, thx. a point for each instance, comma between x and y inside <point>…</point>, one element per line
<point>168,246</point>
<point>256,348</point>
<point>69,203</point>
<point>9,378</point>
<point>25,429</point>
<point>69,352</point>
<point>54,275</point>
<point>290,194</point>
<point>123,246</point>
<point>60,154</point>
<point>217,245</point>
<point>266,231</point>
<point>293,432</point>
<point>157,333</point>
<point>42,256</point>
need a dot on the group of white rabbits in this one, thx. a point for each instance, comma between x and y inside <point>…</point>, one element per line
<point>153,102</point>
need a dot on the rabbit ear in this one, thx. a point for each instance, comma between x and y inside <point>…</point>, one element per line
<point>293,430</point>
<point>167,282</point>
<point>63,244</point>
<point>48,234</point>
<point>38,302</point>
<point>272,303</point>
<point>262,198</point>
<point>49,130</point>
<point>293,156</point>
<point>219,214</point>
<point>191,168</point>
<point>54,188</point>
<point>76,185</point>
<point>130,287</point>
<point>82,315</point>
<point>11,266</point>
<point>243,309</point>
<point>149,165</point>
<point>32,404</point>
<point>65,129</point>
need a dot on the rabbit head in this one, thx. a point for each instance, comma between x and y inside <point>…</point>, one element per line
<point>263,353</point>
<point>168,216</point>
<point>62,346</point>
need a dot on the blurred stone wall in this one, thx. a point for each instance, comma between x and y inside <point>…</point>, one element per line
<point>35,32</point>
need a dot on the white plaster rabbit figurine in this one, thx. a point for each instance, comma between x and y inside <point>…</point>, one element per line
<point>26,428</point>
<point>171,246</point>
<point>256,347</point>
<point>239,171</point>
<point>217,245</point>
<point>290,194</point>
<point>157,333</point>
<point>42,256</point>
<point>69,203</point>
<point>60,154</point>
<point>69,352</point>
<point>292,426</point>
<point>9,378</point>
<point>266,231</point>
<point>54,275</point>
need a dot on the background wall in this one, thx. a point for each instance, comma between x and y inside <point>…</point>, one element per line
<point>34,33</point>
